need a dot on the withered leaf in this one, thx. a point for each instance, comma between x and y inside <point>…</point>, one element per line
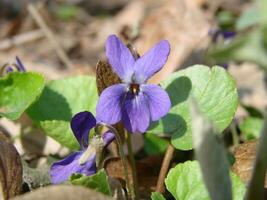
<point>114,169</point>
<point>105,77</point>
<point>63,192</point>
<point>245,155</point>
<point>10,169</point>
<point>147,176</point>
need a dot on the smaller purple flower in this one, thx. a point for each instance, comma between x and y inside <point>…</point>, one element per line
<point>226,35</point>
<point>85,160</point>
<point>134,102</point>
<point>18,66</point>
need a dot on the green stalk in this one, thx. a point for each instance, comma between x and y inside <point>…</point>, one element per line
<point>133,165</point>
<point>256,185</point>
<point>122,156</point>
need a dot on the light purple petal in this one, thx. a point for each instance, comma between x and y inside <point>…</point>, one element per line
<point>158,101</point>
<point>9,69</point>
<point>152,61</point>
<point>60,171</point>
<point>81,125</point>
<point>136,113</point>
<point>108,108</point>
<point>120,58</point>
<point>20,67</point>
<point>108,137</point>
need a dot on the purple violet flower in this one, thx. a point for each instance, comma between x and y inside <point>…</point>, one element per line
<point>226,35</point>
<point>134,102</point>
<point>85,160</point>
<point>18,66</point>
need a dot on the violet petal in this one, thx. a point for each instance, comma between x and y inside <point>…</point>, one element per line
<point>135,115</point>
<point>20,67</point>
<point>108,108</point>
<point>81,125</point>
<point>152,61</point>
<point>9,69</point>
<point>120,58</point>
<point>60,171</point>
<point>108,137</point>
<point>158,101</point>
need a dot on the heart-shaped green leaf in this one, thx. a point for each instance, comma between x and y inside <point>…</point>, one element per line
<point>97,182</point>
<point>214,90</point>
<point>60,100</point>
<point>18,91</point>
<point>185,182</point>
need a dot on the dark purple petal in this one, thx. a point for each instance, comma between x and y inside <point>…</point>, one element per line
<point>135,115</point>
<point>158,101</point>
<point>81,125</point>
<point>60,171</point>
<point>20,67</point>
<point>9,70</point>
<point>108,108</point>
<point>152,61</point>
<point>108,137</point>
<point>120,58</point>
<point>226,35</point>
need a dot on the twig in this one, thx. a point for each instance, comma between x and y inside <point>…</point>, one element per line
<point>49,34</point>
<point>132,161</point>
<point>256,185</point>
<point>164,168</point>
<point>21,39</point>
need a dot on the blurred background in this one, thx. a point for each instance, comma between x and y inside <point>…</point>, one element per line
<point>61,38</point>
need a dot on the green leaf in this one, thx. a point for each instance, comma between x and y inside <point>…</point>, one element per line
<point>249,47</point>
<point>67,12</point>
<point>185,182</point>
<point>211,154</point>
<point>18,91</point>
<point>60,100</point>
<point>154,144</point>
<point>248,18</point>
<point>225,19</point>
<point>251,127</point>
<point>157,196</point>
<point>98,181</point>
<point>215,91</point>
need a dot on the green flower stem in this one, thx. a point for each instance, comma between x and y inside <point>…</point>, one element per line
<point>256,185</point>
<point>234,134</point>
<point>132,161</point>
<point>122,156</point>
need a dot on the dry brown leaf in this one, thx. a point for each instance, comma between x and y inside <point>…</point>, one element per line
<point>147,175</point>
<point>114,169</point>
<point>105,76</point>
<point>245,155</point>
<point>10,169</point>
<point>63,192</point>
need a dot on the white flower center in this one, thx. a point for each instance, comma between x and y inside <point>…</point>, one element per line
<point>94,147</point>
